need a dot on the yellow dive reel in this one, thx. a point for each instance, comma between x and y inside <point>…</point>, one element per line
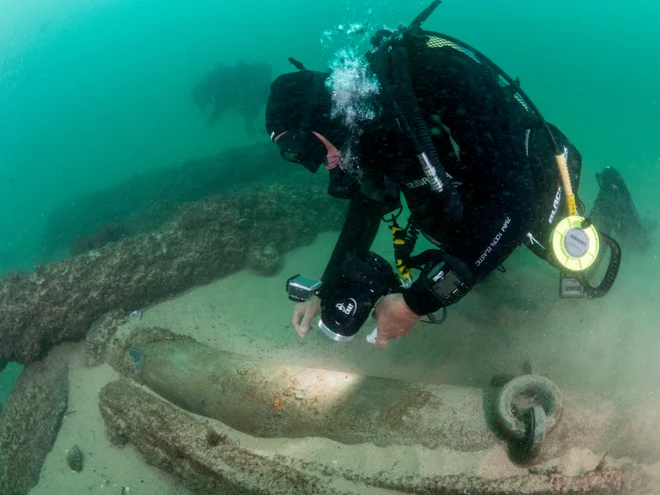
<point>575,243</point>
<point>576,246</point>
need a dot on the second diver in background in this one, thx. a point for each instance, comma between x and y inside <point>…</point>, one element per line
<point>242,88</point>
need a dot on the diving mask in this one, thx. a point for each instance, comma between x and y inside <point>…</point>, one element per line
<point>302,147</point>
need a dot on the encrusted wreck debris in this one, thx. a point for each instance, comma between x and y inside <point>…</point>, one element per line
<point>30,421</point>
<point>204,241</point>
<point>100,334</point>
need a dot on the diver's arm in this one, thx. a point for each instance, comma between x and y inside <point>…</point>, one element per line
<point>357,235</point>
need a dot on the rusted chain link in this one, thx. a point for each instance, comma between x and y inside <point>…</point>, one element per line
<point>526,427</point>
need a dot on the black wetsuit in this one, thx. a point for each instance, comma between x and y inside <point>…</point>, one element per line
<point>491,144</point>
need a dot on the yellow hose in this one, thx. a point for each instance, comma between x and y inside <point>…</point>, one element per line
<point>566,182</point>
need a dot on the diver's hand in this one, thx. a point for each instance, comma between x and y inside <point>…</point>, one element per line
<point>394,319</point>
<point>304,313</point>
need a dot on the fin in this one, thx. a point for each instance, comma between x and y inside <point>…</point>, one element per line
<point>517,82</point>
<point>614,211</point>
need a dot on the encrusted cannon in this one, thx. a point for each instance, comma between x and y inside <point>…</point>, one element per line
<point>270,399</point>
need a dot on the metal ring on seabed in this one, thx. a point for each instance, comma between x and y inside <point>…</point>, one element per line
<point>545,393</point>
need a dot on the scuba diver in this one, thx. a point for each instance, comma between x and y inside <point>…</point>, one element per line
<point>242,87</point>
<point>481,172</point>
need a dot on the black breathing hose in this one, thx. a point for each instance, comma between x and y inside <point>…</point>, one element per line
<point>419,132</point>
<point>612,270</point>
